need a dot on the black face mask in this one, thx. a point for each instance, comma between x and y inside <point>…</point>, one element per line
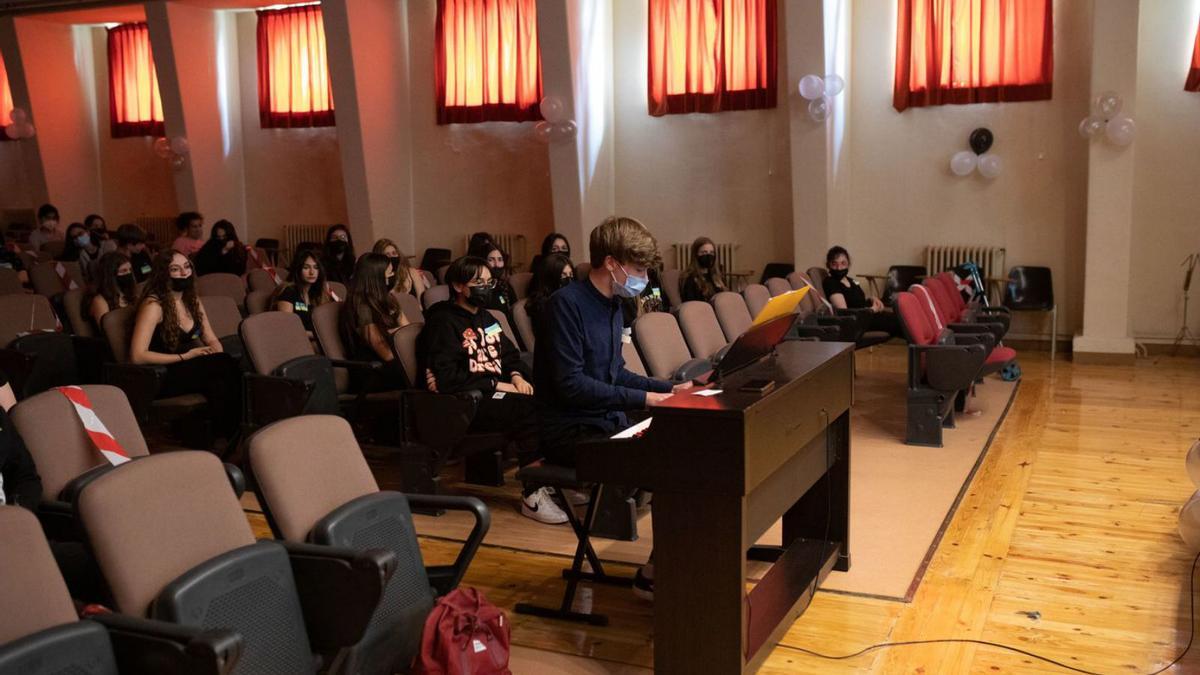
<point>125,281</point>
<point>338,248</point>
<point>181,285</point>
<point>706,260</point>
<point>565,281</point>
<point>479,296</point>
<point>838,275</point>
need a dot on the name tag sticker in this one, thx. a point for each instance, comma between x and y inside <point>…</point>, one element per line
<point>478,646</point>
<point>145,269</point>
<point>299,307</point>
<point>656,293</point>
<point>493,329</point>
<point>498,395</point>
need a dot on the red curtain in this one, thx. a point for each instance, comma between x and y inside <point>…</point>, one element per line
<point>6,101</point>
<point>134,101</point>
<point>973,51</point>
<point>1193,80</point>
<point>712,55</point>
<point>293,72</point>
<point>489,67</point>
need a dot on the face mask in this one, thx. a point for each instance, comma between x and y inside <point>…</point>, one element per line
<point>565,281</point>
<point>632,287</point>
<point>82,240</point>
<point>125,281</point>
<point>338,248</point>
<point>180,285</point>
<point>838,275</point>
<point>706,260</point>
<point>479,296</point>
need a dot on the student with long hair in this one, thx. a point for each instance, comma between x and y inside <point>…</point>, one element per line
<point>844,292</point>
<point>371,315</point>
<point>503,297</point>
<point>478,243</point>
<point>307,289</point>
<point>80,248</point>
<point>704,277</point>
<point>223,252</point>
<point>555,272</point>
<point>114,286</point>
<point>408,280</point>
<point>338,254</point>
<point>553,243</point>
<point>171,329</point>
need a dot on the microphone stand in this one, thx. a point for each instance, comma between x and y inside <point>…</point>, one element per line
<point>1185,333</point>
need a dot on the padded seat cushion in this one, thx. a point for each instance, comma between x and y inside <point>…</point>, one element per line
<point>1001,355</point>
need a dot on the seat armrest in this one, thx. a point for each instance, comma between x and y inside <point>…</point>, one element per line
<point>339,590</point>
<point>59,649</point>
<point>71,490</point>
<point>446,578</point>
<point>145,646</point>
<point>139,383</point>
<point>58,520</point>
<point>951,367</point>
<point>995,329</point>
<point>821,332</point>
<point>270,397</point>
<point>369,366</point>
<point>17,366</point>
<point>237,479</point>
<point>691,369</point>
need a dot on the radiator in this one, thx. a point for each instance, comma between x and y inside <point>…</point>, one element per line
<point>512,244</point>
<point>294,235</point>
<point>990,259</point>
<point>726,258</point>
<point>161,229</point>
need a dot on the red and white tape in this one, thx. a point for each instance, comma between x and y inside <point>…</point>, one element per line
<point>924,292</point>
<point>96,431</point>
<point>262,264</point>
<point>67,282</point>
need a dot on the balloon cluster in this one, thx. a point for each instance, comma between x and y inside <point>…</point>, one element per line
<point>820,93</point>
<point>20,127</point>
<point>174,150</point>
<point>978,157</point>
<point>1189,515</point>
<point>1106,118</point>
<point>555,126</point>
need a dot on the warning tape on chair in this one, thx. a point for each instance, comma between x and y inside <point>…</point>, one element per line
<point>937,320</point>
<point>263,264</point>
<point>96,431</point>
<point>67,282</point>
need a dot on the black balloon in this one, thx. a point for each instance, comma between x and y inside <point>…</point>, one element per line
<point>981,140</point>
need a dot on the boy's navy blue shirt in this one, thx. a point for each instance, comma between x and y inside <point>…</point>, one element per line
<point>579,372</point>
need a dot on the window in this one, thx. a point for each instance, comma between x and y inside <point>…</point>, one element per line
<point>134,103</point>
<point>973,51</point>
<point>711,55</point>
<point>293,72</point>
<point>1193,79</point>
<point>489,67</point>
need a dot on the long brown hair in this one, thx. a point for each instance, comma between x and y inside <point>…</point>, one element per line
<point>158,289</point>
<point>709,282</point>
<point>106,280</point>
<point>370,292</point>
<point>317,292</point>
<point>403,280</point>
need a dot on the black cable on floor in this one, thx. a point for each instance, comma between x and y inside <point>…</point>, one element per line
<point>985,643</point>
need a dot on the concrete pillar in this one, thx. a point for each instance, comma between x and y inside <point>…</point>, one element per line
<point>1106,335</point>
<point>804,53</point>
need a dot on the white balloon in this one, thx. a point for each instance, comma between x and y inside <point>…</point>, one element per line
<point>1120,130</point>
<point>834,84</point>
<point>27,130</point>
<point>818,109</point>
<point>162,147</point>
<point>553,109</point>
<point>12,130</point>
<point>1189,523</point>
<point>542,131</point>
<point>1091,126</point>
<point>563,131</point>
<point>1193,463</point>
<point>812,87</point>
<point>180,145</point>
<point>19,116</point>
<point>963,163</point>
<point>990,165</point>
<point>1108,104</point>
<point>177,161</point>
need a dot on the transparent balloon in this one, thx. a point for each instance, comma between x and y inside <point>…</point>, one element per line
<point>963,163</point>
<point>812,87</point>
<point>1108,104</point>
<point>542,131</point>
<point>1120,131</point>
<point>12,130</point>
<point>162,147</point>
<point>990,165</point>
<point>18,116</point>
<point>26,130</point>
<point>553,109</point>
<point>1189,523</point>
<point>180,145</point>
<point>564,131</point>
<point>177,161</point>
<point>1091,126</point>
<point>834,84</point>
<point>818,109</point>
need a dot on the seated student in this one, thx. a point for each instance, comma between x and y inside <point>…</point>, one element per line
<point>478,245</point>
<point>307,289</point>
<point>553,243</point>
<point>20,484</point>
<point>704,277</point>
<point>171,329</point>
<point>95,225</point>
<point>369,317</point>
<point>190,226</point>
<point>223,252</point>
<point>113,285</point>
<point>10,258</point>
<point>555,272</point>
<point>408,280</point>
<point>465,349</point>
<point>47,228</point>
<point>80,248</point>
<point>844,292</point>
<point>583,387</point>
<point>131,241</point>
<point>503,297</point>
<point>338,254</point>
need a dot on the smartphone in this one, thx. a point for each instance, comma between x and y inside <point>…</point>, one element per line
<point>760,386</point>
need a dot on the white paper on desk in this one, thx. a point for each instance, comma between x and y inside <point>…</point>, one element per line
<point>635,429</point>
<point>709,392</point>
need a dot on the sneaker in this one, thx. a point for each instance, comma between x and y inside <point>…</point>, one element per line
<point>540,506</point>
<point>643,586</point>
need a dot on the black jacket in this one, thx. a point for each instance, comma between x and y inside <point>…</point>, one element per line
<point>468,351</point>
<point>22,484</point>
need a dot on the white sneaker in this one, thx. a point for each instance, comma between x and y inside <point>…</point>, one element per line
<point>540,506</point>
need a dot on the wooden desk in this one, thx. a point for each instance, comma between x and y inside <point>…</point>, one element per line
<point>723,470</point>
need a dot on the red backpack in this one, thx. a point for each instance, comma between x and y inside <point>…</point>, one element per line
<point>464,635</point>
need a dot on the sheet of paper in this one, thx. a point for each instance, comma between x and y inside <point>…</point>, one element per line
<point>709,392</point>
<point>635,429</point>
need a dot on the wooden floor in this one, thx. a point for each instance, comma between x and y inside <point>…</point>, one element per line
<point>1072,515</point>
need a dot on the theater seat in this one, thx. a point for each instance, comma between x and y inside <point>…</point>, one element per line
<point>258,279</point>
<point>778,286</point>
<point>289,378</point>
<point>222,283</point>
<point>187,555</point>
<point>664,350</point>
<point>671,284</point>
<point>524,325</point>
<point>258,302</point>
<point>435,295</point>
<point>35,353</point>
<point>410,306</point>
<point>701,330</point>
<point>756,296</point>
<point>316,487</point>
<point>224,315</point>
<point>520,284</point>
<point>41,634</point>
<point>732,314</point>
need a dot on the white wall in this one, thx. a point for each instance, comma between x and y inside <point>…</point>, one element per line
<point>1166,217</point>
<point>903,196</point>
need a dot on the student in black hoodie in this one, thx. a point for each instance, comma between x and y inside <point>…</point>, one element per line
<point>466,349</point>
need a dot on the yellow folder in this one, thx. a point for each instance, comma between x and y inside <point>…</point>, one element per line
<point>780,305</point>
